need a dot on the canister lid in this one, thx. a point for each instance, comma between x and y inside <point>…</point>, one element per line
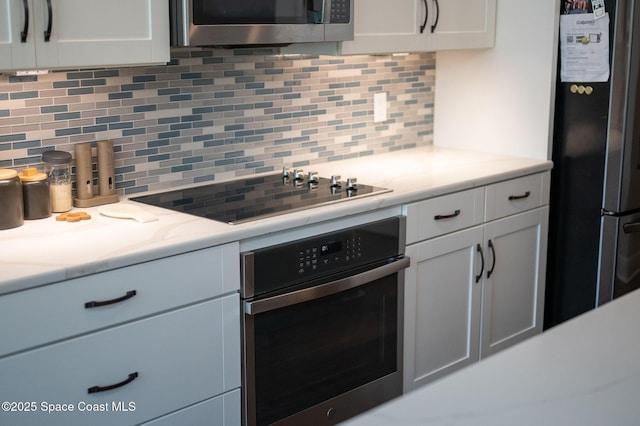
<point>7,174</point>
<point>56,157</point>
<point>31,175</point>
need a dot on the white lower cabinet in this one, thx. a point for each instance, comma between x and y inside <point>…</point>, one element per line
<point>167,350</point>
<point>472,292</point>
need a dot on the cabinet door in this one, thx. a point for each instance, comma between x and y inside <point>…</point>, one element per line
<point>382,26</point>
<point>14,52</point>
<point>513,292</point>
<point>442,306</point>
<point>93,32</point>
<point>462,24</point>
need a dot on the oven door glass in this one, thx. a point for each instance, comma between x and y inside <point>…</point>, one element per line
<point>221,12</point>
<point>309,352</point>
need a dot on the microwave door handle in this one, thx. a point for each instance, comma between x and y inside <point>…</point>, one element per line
<point>325,12</point>
<point>307,294</point>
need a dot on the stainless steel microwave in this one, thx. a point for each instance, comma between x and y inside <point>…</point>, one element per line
<point>259,22</point>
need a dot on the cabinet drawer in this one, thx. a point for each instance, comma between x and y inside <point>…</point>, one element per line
<point>221,410</point>
<point>180,357</point>
<point>517,195</point>
<point>57,311</point>
<point>441,215</point>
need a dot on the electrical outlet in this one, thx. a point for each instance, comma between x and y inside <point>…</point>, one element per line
<point>380,107</point>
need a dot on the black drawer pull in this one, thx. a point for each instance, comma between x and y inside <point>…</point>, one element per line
<point>95,304</point>
<point>96,389</point>
<point>479,250</point>
<point>519,197</point>
<point>25,30</point>
<point>446,216</point>
<point>435,24</point>
<point>493,264</point>
<point>426,16</point>
<point>47,33</point>
<point>630,228</point>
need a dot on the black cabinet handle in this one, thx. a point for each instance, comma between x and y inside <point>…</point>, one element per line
<point>446,216</point>
<point>493,264</point>
<point>435,24</point>
<point>519,197</point>
<point>95,304</point>
<point>96,389</point>
<point>25,29</point>
<point>47,33</point>
<point>426,16</point>
<point>479,250</point>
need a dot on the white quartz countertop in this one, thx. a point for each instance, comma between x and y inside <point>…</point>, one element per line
<point>46,251</point>
<point>584,372</point>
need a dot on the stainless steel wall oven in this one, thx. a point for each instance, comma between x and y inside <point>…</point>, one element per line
<point>322,325</point>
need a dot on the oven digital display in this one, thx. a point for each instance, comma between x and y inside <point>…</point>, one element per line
<point>332,247</point>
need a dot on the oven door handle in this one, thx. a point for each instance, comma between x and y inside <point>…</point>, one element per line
<point>307,294</point>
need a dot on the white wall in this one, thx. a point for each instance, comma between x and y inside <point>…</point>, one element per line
<point>501,100</point>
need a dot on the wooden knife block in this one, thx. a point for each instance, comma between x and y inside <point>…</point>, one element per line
<point>85,196</point>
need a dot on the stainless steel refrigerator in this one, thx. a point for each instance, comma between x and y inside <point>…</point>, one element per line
<point>594,241</point>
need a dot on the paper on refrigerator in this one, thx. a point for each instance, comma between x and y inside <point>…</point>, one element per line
<point>584,48</point>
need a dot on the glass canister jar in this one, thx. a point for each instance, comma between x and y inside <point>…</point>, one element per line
<point>35,194</point>
<point>57,167</point>
<point>11,208</point>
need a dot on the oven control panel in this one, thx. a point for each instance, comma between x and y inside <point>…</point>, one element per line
<point>296,262</point>
<point>328,254</point>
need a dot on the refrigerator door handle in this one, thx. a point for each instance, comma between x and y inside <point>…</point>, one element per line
<point>632,227</point>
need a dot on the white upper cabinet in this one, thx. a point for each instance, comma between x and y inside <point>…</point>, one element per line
<point>421,25</point>
<point>47,34</point>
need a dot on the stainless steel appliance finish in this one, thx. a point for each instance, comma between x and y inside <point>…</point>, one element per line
<point>322,325</point>
<point>259,22</point>
<point>594,246</point>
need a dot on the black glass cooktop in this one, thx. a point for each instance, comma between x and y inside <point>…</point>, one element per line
<point>253,198</point>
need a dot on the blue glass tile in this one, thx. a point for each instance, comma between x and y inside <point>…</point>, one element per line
<point>24,95</point>
<point>281,154</point>
<point>134,190</point>
<point>5,146</point>
<point>232,127</point>
<point>233,154</point>
<point>53,108</point>
<point>105,120</point>
<point>79,75</point>
<point>22,78</point>
<point>173,91</point>
<point>106,73</point>
<point>119,126</point>
<point>191,118</point>
<point>66,116</point>
<point>224,162</point>
<point>4,96</point>
<point>223,108</point>
<point>201,179</point>
<point>121,95</point>
<point>200,138</point>
<point>158,142</point>
<point>93,82</point>
<point>167,135</point>
<point>181,126</point>
<point>224,94</point>
<point>291,96</point>
<point>265,91</point>
<point>216,142</point>
<point>254,86</point>
<point>202,110</point>
<point>69,131</point>
<point>190,75</point>
<point>93,129</point>
<point>145,108</point>
<point>143,78</point>
<point>145,152</point>
<point>273,71</point>
<point>192,160</point>
<point>125,169</point>
<point>244,133</point>
<point>160,157</point>
<point>259,105</point>
<point>134,132</point>
<point>4,113</point>
<point>168,120</point>
<point>178,98</point>
<point>66,84</point>
<point>26,144</point>
<point>183,168</point>
<point>282,116</point>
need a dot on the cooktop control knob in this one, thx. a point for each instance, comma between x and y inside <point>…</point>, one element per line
<point>335,180</point>
<point>298,174</point>
<point>313,177</point>
<point>285,172</point>
<point>352,184</point>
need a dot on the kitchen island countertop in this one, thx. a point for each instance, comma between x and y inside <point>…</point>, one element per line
<point>583,372</point>
<point>46,251</point>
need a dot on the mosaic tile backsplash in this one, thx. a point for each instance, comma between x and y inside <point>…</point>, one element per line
<point>214,114</point>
